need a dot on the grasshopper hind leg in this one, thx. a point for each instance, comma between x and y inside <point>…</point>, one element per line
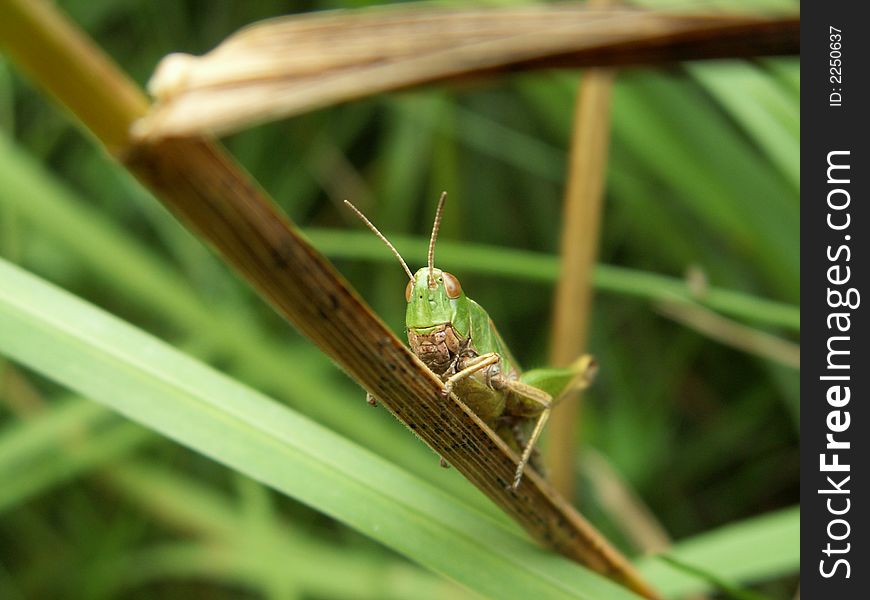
<point>516,434</point>
<point>531,402</point>
<point>536,400</point>
<point>521,434</point>
<point>530,446</point>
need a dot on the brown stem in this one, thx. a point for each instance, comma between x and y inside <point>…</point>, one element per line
<point>212,195</point>
<point>581,224</point>
<point>72,68</point>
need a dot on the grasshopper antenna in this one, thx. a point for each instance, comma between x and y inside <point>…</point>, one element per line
<point>431,257</point>
<point>383,238</point>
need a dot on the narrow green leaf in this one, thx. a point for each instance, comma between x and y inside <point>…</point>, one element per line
<point>535,266</point>
<point>749,551</point>
<point>249,548</point>
<point>726,588</point>
<point>761,107</point>
<point>23,440</point>
<point>21,482</point>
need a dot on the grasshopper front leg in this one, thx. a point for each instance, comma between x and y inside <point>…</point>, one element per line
<point>478,363</point>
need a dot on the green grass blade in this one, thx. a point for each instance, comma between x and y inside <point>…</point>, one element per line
<point>725,588</point>
<point>753,550</point>
<point>194,507</point>
<point>762,108</point>
<point>135,374</point>
<point>306,577</point>
<point>536,266</point>
<point>76,436</point>
<point>21,482</point>
<point>41,435</point>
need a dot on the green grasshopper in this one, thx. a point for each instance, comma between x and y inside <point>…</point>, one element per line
<point>455,337</point>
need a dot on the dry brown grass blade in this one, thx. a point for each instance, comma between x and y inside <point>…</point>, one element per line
<point>290,65</point>
<point>627,511</point>
<point>212,195</point>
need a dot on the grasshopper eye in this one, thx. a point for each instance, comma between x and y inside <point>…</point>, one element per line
<point>451,286</point>
<point>408,289</point>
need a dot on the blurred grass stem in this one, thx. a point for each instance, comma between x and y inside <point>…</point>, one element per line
<point>581,226</point>
<point>533,266</point>
<point>733,334</point>
<point>74,70</point>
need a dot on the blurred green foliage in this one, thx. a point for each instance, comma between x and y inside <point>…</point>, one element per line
<point>702,172</point>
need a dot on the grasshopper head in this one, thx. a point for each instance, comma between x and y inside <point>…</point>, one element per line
<point>434,297</point>
<point>437,317</point>
<point>436,305</point>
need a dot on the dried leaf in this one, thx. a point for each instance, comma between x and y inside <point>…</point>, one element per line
<point>212,195</point>
<point>290,65</point>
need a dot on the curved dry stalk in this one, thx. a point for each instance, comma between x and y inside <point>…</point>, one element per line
<point>212,196</point>
<point>195,179</point>
<point>286,66</point>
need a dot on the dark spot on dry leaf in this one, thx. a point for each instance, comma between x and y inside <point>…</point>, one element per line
<point>278,258</point>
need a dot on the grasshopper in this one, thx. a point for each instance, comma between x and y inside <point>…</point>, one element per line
<point>455,338</point>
